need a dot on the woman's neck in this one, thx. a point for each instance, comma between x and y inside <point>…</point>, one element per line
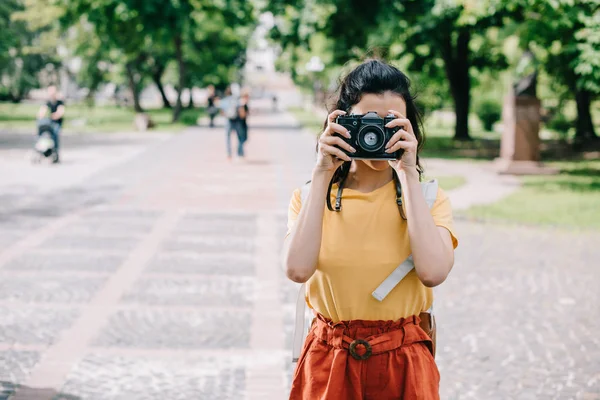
<point>365,179</point>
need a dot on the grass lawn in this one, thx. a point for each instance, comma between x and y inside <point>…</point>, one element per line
<point>570,199</point>
<point>83,119</point>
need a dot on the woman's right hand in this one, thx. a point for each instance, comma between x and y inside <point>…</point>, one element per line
<point>330,157</point>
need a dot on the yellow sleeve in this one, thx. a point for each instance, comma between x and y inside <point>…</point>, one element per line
<point>293,210</point>
<point>442,214</point>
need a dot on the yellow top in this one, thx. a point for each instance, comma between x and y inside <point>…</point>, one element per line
<point>360,247</point>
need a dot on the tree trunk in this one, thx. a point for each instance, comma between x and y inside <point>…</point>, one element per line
<point>156,76</point>
<point>456,66</point>
<point>180,85</point>
<point>133,87</point>
<point>585,125</point>
<point>191,102</point>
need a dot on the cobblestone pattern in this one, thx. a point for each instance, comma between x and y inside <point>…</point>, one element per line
<point>107,227</point>
<point>204,264</point>
<point>219,224</point>
<point>27,325</point>
<point>97,243</point>
<point>518,316</point>
<point>15,366</point>
<point>209,245</point>
<point>115,214</point>
<point>164,329</point>
<point>66,261</point>
<point>99,377</point>
<point>48,288</point>
<point>213,291</point>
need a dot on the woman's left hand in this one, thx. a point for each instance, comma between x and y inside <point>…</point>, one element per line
<point>405,140</point>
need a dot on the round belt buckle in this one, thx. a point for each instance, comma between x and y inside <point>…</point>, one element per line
<point>355,355</point>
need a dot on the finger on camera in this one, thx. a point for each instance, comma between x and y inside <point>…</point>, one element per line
<point>335,152</point>
<point>334,114</point>
<point>399,135</point>
<point>338,141</point>
<point>404,122</point>
<point>397,114</point>
<point>335,127</point>
<point>401,144</point>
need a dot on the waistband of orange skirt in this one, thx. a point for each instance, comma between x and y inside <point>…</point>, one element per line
<point>382,336</point>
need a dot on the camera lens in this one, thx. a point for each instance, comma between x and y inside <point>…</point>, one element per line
<point>371,138</point>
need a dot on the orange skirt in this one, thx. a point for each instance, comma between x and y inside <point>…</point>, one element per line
<point>361,360</point>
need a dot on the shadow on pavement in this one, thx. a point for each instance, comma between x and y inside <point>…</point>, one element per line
<point>8,389</point>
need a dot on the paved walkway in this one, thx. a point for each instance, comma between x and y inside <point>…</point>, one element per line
<point>153,273</point>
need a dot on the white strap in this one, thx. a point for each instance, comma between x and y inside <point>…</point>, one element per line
<point>300,326</point>
<point>393,279</point>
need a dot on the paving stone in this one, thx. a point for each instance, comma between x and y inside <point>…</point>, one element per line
<point>99,377</point>
<point>48,288</point>
<point>112,213</point>
<point>66,261</point>
<point>212,290</point>
<point>97,243</point>
<point>163,329</point>
<point>205,264</point>
<point>216,226</point>
<point>241,218</point>
<point>27,325</point>
<point>108,227</point>
<point>15,366</point>
<point>209,245</point>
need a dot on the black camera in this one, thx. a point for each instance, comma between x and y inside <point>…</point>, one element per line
<point>368,135</point>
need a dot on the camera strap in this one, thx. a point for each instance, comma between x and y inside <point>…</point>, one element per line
<point>304,314</point>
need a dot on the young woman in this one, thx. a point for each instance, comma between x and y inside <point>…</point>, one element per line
<point>343,256</point>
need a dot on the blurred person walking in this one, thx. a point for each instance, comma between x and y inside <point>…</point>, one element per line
<point>242,121</point>
<point>211,108</point>
<point>229,106</point>
<point>56,108</point>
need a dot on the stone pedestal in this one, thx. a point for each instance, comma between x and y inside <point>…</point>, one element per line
<point>520,144</point>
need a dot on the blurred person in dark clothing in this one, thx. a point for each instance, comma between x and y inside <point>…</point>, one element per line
<point>56,108</point>
<point>212,105</point>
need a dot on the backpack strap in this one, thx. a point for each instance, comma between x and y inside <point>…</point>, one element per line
<point>301,325</point>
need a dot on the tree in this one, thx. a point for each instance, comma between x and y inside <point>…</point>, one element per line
<point>566,36</point>
<point>27,48</point>
<point>432,36</point>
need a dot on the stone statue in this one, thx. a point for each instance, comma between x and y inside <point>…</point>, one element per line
<point>520,144</point>
<point>526,74</point>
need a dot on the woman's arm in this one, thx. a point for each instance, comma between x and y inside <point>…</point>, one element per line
<point>303,244</point>
<point>431,245</point>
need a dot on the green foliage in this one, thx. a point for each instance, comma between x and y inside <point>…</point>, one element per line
<point>27,47</point>
<point>565,35</point>
<point>561,124</point>
<point>489,112</point>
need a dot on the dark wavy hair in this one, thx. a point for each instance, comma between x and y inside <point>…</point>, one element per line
<point>375,77</point>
